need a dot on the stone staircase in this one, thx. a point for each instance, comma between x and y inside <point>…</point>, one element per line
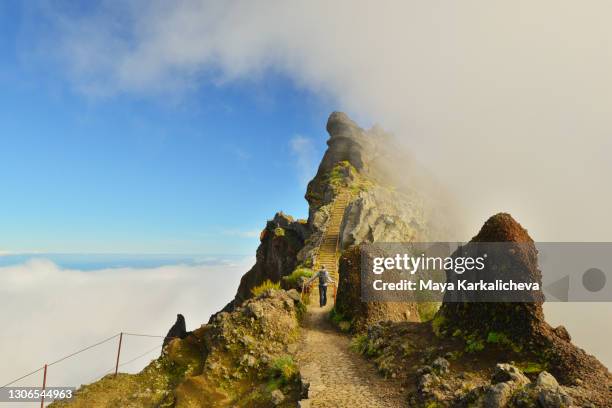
<point>328,249</point>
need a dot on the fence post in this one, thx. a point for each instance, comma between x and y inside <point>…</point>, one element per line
<point>42,396</point>
<point>118,354</point>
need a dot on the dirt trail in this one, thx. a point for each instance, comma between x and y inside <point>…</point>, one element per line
<point>339,377</point>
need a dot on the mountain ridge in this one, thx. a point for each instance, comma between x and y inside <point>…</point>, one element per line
<point>249,353</point>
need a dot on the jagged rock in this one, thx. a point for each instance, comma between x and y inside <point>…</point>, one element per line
<point>497,395</point>
<point>441,365</point>
<point>294,294</point>
<point>562,333</point>
<point>546,380</point>
<point>508,373</point>
<point>347,142</point>
<point>426,382</point>
<point>255,310</point>
<point>554,398</point>
<point>382,215</point>
<point>178,330</point>
<point>248,360</point>
<point>277,397</point>
<point>364,314</point>
<point>281,241</point>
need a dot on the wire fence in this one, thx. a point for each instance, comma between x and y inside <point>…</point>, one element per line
<point>117,363</point>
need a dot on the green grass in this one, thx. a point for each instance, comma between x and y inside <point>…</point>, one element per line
<point>532,367</point>
<point>298,273</point>
<point>268,284</point>
<point>427,310</point>
<point>362,345</point>
<point>284,369</point>
<point>474,345</point>
<point>503,340</point>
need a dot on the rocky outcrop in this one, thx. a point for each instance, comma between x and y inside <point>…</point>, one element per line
<point>178,330</point>
<point>239,359</point>
<point>349,306</point>
<point>520,326</point>
<point>281,240</point>
<point>347,143</point>
<point>382,215</point>
<point>517,260</point>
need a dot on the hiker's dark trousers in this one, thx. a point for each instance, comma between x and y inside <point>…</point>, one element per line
<point>322,295</point>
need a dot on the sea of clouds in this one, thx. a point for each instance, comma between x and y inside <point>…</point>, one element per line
<point>49,312</point>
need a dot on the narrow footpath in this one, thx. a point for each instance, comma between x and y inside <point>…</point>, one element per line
<point>338,377</point>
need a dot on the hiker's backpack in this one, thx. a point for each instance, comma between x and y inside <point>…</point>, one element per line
<point>323,276</point>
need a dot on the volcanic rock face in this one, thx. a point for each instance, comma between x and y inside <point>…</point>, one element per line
<point>377,212</point>
<point>379,215</point>
<point>521,326</point>
<point>281,241</point>
<point>364,314</point>
<point>178,330</point>
<point>516,260</point>
<point>347,142</point>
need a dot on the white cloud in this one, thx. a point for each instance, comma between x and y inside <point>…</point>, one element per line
<point>307,157</point>
<point>48,312</point>
<point>508,103</point>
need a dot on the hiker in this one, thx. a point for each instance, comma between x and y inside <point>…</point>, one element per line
<point>324,279</point>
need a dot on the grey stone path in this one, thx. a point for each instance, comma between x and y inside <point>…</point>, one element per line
<point>339,377</point>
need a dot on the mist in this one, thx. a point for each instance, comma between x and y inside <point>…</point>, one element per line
<point>49,312</point>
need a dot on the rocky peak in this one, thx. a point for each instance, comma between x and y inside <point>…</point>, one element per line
<point>347,141</point>
<point>502,227</point>
<point>516,260</point>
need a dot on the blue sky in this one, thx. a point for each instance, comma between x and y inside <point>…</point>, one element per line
<point>155,126</point>
<point>198,172</point>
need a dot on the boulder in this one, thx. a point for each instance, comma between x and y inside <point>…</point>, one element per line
<point>440,365</point>
<point>178,330</point>
<point>497,395</point>
<point>365,314</point>
<point>546,380</point>
<point>508,373</point>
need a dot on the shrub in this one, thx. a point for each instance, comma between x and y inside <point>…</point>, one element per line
<point>361,344</point>
<point>284,368</point>
<point>427,310</point>
<point>503,340</point>
<point>299,272</point>
<point>279,232</point>
<point>474,344</point>
<point>268,284</point>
